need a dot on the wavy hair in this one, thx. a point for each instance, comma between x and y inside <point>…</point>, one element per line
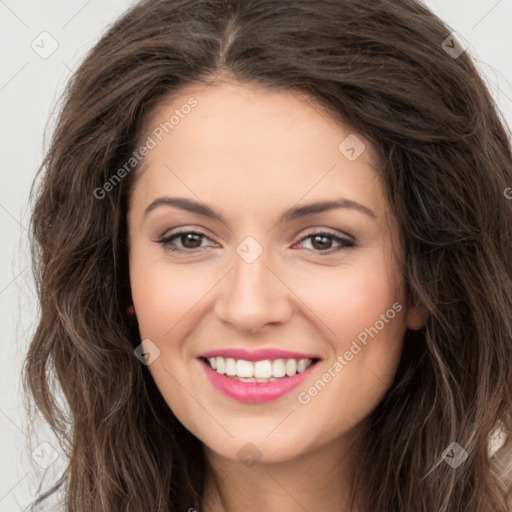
<point>387,69</point>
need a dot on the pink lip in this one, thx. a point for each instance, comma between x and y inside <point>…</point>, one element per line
<point>258,355</point>
<point>254,392</point>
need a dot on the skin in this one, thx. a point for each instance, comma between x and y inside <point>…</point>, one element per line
<point>251,153</point>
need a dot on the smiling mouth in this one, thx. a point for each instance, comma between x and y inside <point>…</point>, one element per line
<point>266,370</point>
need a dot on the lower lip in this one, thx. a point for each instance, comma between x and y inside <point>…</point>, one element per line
<point>255,392</point>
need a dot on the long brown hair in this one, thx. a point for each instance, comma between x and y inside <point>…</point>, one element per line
<point>392,71</point>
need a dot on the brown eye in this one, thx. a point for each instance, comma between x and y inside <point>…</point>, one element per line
<point>189,241</point>
<point>322,242</point>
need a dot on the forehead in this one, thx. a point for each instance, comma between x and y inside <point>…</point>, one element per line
<point>251,146</point>
<point>252,115</point>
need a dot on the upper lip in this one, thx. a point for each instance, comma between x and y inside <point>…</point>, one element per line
<point>257,355</point>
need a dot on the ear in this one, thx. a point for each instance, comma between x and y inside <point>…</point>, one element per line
<point>416,317</point>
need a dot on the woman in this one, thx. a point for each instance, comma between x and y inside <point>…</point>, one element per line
<point>272,242</point>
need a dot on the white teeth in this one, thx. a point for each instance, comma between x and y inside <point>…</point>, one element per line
<point>263,369</point>
<point>258,371</point>
<point>254,379</point>
<point>290,367</point>
<point>221,365</point>
<point>230,366</point>
<point>244,368</point>
<point>278,369</point>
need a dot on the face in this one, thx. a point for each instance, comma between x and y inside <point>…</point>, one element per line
<point>263,280</point>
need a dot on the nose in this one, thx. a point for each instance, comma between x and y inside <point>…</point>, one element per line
<point>253,295</point>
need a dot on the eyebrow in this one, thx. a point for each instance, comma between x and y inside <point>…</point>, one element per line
<point>291,214</point>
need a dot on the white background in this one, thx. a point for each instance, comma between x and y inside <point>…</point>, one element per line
<point>30,88</point>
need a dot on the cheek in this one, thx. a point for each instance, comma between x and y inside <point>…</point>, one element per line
<point>372,316</point>
<point>349,299</point>
<point>362,307</point>
<point>163,294</point>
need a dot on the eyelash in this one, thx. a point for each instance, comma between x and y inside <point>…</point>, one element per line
<point>345,243</point>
